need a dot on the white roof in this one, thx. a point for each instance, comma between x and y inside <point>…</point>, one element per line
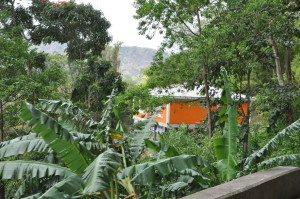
<point>179,92</point>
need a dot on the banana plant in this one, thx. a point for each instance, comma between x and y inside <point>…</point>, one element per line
<point>69,115</point>
<point>77,162</point>
<point>57,138</point>
<point>225,145</point>
<point>257,159</point>
<point>80,171</point>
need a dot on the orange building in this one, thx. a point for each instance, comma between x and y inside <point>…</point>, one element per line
<point>187,107</point>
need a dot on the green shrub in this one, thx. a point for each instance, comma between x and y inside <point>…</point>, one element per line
<point>190,143</point>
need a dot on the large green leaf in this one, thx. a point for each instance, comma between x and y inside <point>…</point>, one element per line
<point>169,151</point>
<point>284,160</point>
<point>64,189</point>
<point>146,173</point>
<point>137,144</point>
<point>272,145</point>
<point>101,171</point>
<point>177,186</point>
<point>71,114</point>
<point>225,146</point>
<point>20,168</point>
<point>24,137</point>
<point>22,145</point>
<point>57,138</point>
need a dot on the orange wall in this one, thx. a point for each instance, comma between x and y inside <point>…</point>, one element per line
<point>189,113</point>
<point>193,113</point>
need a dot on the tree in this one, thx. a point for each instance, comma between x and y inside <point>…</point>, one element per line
<point>241,36</point>
<point>95,82</point>
<point>181,23</point>
<point>83,28</point>
<point>23,75</point>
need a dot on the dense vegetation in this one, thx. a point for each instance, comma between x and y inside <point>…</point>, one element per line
<point>66,119</point>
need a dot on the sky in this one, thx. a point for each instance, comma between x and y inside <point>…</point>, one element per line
<point>123,26</point>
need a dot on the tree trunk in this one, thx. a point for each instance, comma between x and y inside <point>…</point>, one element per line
<point>246,137</point>
<point>205,77</point>
<point>71,73</point>
<point>277,62</point>
<point>287,63</point>
<point>1,121</point>
<point>2,185</point>
<point>288,71</point>
<point>2,189</point>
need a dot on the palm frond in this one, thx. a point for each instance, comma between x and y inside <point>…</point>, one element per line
<point>24,137</point>
<point>20,168</point>
<point>64,189</point>
<point>284,160</point>
<point>98,174</point>
<point>106,119</point>
<point>69,112</point>
<point>272,145</point>
<point>177,186</point>
<point>82,136</point>
<point>169,151</point>
<point>23,145</point>
<point>92,146</point>
<point>57,138</point>
<point>137,144</point>
<point>146,173</point>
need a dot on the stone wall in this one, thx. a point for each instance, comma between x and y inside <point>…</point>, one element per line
<point>275,183</point>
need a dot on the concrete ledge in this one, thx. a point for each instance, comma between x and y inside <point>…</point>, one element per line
<point>275,183</point>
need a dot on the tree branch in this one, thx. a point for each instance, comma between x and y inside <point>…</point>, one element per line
<point>199,21</point>
<point>183,22</point>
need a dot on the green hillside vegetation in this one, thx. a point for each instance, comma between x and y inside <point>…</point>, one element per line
<point>68,95</point>
<point>134,60</point>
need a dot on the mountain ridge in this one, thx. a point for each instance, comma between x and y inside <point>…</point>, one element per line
<point>134,59</point>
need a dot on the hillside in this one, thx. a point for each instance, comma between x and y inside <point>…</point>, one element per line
<point>133,59</point>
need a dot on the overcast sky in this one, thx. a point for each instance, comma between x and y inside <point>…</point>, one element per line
<point>123,26</point>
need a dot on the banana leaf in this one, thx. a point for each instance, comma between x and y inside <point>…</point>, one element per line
<point>23,145</point>
<point>99,173</point>
<point>57,138</point>
<point>64,189</point>
<point>147,173</point>
<point>20,168</point>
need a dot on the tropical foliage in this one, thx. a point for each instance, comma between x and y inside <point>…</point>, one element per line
<point>79,171</point>
<point>66,124</point>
